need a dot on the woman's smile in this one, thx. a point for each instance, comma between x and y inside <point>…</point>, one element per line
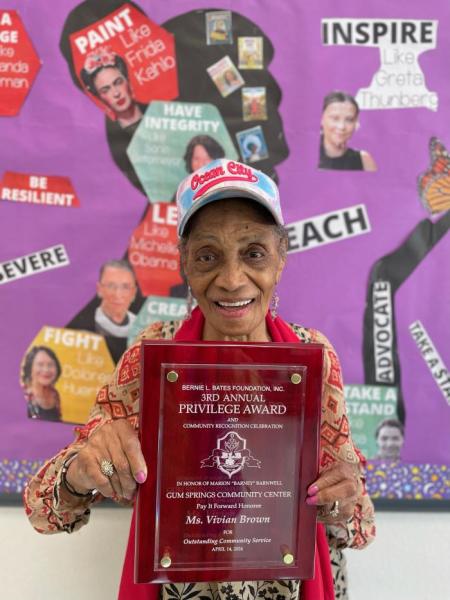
<point>233,260</point>
<point>234,309</point>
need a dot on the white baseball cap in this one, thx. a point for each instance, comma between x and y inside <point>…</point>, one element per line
<point>223,178</point>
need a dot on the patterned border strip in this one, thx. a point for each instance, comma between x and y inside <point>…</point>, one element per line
<point>15,473</point>
<point>391,480</point>
<point>397,480</point>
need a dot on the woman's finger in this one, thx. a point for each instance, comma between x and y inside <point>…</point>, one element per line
<point>105,445</point>
<point>132,450</point>
<point>114,479</point>
<point>122,479</point>
<point>126,455</point>
<point>84,474</point>
<point>333,474</point>
<point>339,481</point>
<point>344,490</point>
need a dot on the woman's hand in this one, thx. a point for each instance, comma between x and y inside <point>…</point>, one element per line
<point>117,442</point>
<point>337,482</point>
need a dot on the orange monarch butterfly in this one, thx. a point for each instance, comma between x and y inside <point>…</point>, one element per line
<point>434,184</point>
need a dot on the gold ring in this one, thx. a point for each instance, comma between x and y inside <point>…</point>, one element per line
<point>107,468</point>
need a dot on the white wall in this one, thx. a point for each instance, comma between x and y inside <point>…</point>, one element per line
<point>410,560</point>
<point>84,565</point>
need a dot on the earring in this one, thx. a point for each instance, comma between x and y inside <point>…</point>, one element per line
<point>274,304</point>
<point>189,304</point>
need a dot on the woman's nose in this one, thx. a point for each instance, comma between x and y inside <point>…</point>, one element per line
<point>231,275</point>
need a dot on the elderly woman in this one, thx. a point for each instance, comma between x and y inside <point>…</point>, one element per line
<point>340,113</point>
<point>40,371</point>
<point>233,251</point>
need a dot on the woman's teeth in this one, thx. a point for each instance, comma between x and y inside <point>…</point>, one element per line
<point>237,304</point>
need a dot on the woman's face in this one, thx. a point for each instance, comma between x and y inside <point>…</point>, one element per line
<point>43,369</point>
<point>232,262</point>
<point>113,89</point>
<point>338,122</point>
<point>116,289</point>
<point>230,77</point>
<point>200,157</point>
<point>390,442</point>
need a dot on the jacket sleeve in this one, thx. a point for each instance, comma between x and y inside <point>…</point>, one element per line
<point>119,399</point>
<point>336,444</point>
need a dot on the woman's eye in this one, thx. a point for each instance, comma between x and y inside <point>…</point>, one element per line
<point>205,258</point>
<point>255,254</point>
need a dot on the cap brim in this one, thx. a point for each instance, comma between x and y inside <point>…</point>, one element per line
<point>227,193</point>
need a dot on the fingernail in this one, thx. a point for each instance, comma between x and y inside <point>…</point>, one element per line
<point>140,477</point>
<point>312,500</point>
<point>312,490</point>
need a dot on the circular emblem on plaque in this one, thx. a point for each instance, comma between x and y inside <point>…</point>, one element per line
<point>288,558</point>
<point>172,376</point>
<point>296,379</point>
<point>231,455</point>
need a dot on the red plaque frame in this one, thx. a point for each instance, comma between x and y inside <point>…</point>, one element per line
<point>230,432</point>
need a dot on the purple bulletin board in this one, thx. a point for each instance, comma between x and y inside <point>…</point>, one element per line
<point>86,178</point>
